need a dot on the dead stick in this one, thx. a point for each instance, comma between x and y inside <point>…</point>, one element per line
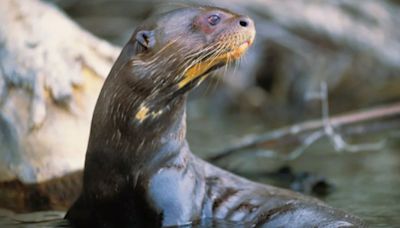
<point>336,121</point>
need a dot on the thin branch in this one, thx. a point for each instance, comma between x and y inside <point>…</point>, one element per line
<point>336,139</point>
<point>254,142</point>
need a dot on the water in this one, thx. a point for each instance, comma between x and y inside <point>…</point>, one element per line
<point>36,219</point>
<point>366,183</point>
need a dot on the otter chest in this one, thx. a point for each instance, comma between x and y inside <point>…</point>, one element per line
<point>177,193</point>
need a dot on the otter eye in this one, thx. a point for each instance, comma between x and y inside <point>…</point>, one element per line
<point>214,19</point>
<point>146,38</point>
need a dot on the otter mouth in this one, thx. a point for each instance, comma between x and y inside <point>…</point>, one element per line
<point>238,52</point>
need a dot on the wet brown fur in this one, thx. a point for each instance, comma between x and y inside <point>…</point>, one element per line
<point>139,170</point>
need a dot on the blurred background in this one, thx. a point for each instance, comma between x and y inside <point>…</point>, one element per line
<point>314,106</point>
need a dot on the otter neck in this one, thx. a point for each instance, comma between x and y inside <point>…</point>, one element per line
<point>162,134</point>
<point>150,140</point>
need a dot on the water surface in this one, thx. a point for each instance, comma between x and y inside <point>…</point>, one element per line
<point>366,183</point>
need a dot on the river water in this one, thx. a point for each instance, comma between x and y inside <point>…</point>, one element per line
<point>366,183</point>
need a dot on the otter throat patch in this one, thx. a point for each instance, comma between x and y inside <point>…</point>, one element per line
<point>202,67</point>
<point>194,72</point>
<point>144,113</point>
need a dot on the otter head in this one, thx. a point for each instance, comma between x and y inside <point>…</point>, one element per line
<point>175,51</point>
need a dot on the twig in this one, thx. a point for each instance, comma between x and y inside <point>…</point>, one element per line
<point>252,142</point>
<point>337,140</point>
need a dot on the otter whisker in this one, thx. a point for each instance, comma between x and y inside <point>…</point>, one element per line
<point>211,58</point>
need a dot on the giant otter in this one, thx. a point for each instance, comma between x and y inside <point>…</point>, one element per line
<point>139,170</point>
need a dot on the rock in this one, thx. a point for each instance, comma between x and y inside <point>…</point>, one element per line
<point>51,72</point>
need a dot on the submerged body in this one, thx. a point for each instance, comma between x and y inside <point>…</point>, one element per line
<point>139,170</point>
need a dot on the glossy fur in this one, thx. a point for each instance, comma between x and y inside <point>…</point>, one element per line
<point>139,170</point>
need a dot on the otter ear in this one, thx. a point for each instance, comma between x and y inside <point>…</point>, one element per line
<point>146,38</point>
